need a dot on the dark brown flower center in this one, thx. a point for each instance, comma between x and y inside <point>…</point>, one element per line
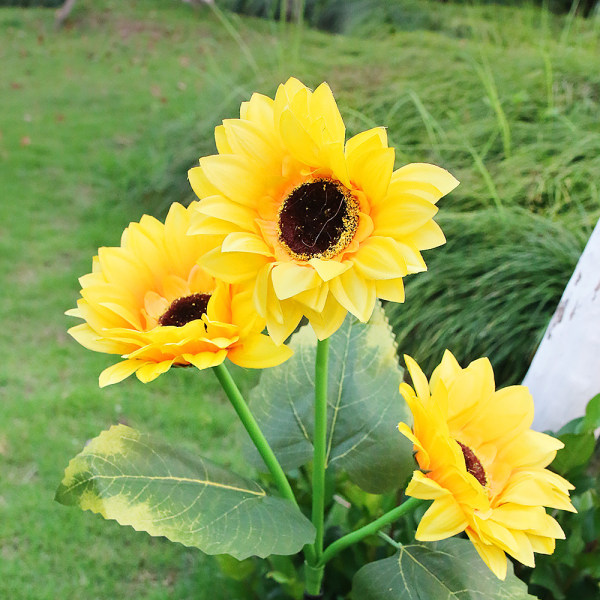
<point>473,464</point>
<point>185,309</point>
<point>318,219</point>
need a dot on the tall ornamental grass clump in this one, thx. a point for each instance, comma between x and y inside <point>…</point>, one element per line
<point>491,289</point>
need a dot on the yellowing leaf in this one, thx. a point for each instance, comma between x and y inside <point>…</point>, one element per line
<point>126,476</point>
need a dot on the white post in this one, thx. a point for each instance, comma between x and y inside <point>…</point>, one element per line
<point>565,372</point>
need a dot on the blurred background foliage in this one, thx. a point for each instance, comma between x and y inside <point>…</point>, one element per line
<point>347,16</point>
<point>102,118</point>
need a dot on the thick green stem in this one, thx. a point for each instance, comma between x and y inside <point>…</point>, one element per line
<point>370,529</point>
<point>261,443</point>
<point>320,443</point>
<point>312,578</point>
<point>256,435</point>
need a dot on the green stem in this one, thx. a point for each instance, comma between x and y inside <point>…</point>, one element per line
<point>256,435</point>
<point>370,529</point>
<point>312,578</point>
<point>261,443</point>
<point>320,443</point>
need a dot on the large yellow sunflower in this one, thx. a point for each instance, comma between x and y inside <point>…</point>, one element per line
<point>319,225</point>
<point>481,464</point>
<point>149,301</point>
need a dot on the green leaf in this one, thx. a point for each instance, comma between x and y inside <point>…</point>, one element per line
<point>572,426</point>
<point>578,450</point>
<point>236,569</point>
<point>124,475</point>
<point>591,421</point>
<point>364,405</point>
<point>446,570</point>
<point>586,424</point>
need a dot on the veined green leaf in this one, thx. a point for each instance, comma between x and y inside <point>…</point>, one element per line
<point>592,414</point>
<point>578,450</point>
<point>124,475</point>
<point>364,404</point>
<point>446,570</point>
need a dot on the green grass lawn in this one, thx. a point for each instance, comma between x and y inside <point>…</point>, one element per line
<point>99,123</point>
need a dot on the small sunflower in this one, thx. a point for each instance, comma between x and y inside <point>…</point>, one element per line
<point>149,301</point>
<point>319,225</point>
<point>481,464</point>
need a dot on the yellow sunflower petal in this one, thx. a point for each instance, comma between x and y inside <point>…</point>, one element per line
<point>240,241</point>
<point>200,184</point>
<point>150,371</point>
<point>514,542</point>
<point>532,449</point>
<point>290,279</point>
<point>236,214</point>
<point>204,360</point>
<point>223,146</point>
<point>491,555</point>
<point>323,103</point>
<point>259,352</point>
<point>246,137</point>
<point>438,177</point>
<point>380,258</point>
<point>422,487</point>
<point>446,371</point>
<point>414,260</point>
<point>329,269</point>
<point>390,289</point>
<point>399,216</point>
<point>92,340</point>
<point>375,138</point>
<point>418,377</point>
<point>243,313</point>
<point>328,320</point>
<point>210,226</point>
<point>298,141</point>
<point>372,171</point>
<point>233,267</point>
<point>120,371</point>
<point>258,109</point>
<point>315,299</point>
<point>422,455</point>
<point>355,294</point>
<point>541,544</point>
<point>281,328</point>
<point>443,519</point>
<point>429,235</point>
<point>232,176</point>
<point>531,489</point>
<point>531,519</point>
<point>133,319</point>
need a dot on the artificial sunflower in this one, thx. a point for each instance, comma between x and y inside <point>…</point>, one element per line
<point>320,226</point>
<point>149,301</point>
<point>481,464</point>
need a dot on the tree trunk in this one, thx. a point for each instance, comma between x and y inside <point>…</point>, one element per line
<point>63,13</point>
<point>565,372</point>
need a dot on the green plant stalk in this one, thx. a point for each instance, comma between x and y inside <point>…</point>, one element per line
<point>313,584</point>
<point>320,442</point>
<point>262,445</point>
<point>256,435</point>
<point>313,576</point>
<point>372,528</point>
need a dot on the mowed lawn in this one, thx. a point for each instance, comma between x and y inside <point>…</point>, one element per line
<point>99,122</point>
